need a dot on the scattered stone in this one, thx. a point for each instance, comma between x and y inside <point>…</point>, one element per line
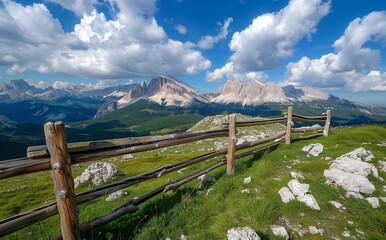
<point>168,239</point>
<point>383,199</point>
<point>297,175</point>
<point>374,201</point>
<point>296,161</point>
<point>365,143</point>
<point>309,200</point>
<point>206,180</point>
<point>17,188</point>
<point>382,144</point>
<point>286,195</point>
<point>384,188</point>
<point>127,157</point>
<point>180,172</point>
<point>313,149</point>
<point>313,230</point>
<point>298,189</point>
<point>302,214</point>
<point>359,231</point>
<point>327,158</point>
<point>350,222</point>
<point>242,233</point>
<point>346,234</point>
<point>183,237</point>
<point>79,165</point>
<point>382,165</point>
<point>354,194</point>
<point>336,204</point>
<point>279,231</point>
<point>116,195</point>
<point>247,180</point>
<point>98,172</point>
<point>245,191</point>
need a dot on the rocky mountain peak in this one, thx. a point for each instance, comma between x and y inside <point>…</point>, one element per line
<point>20,85</point>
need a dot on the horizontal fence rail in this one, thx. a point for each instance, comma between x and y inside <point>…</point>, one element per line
<point>39,158</point>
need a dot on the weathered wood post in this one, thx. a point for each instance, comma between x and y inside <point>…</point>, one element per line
<point>231,145</point>
<point>327,125</point>
<point>56,142</point>
<point>289,126</point>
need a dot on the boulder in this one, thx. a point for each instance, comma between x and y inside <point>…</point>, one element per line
<point>313,230</point>
<point>286,195</point>
<point>336,204</point>
<point>183,237</point>
<point>313,149</point>
<point>297,188</point>
<point>206,180</point>
<point>309,200</point>
<point>246,191</point>
<point>116,195</point>
<point>242,233</point>
<point>98,173</point>
<point>279,231</point>
<point>374,201</point>
<point>354,194</point>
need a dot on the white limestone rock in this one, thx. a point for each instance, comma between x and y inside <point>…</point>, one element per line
<point>279,231</point>
<point>336,204</point>
<point>313,230</point>
<point>382,165</point>
<point>206,179</point>
<point>354,194</point>
<point>297,188</point>
<point>127,157</point>
<point>242,233</point>
<point>297,175</point>
<point>346,234</point>
<point>116,195</point>
<point>374,201</point>
<point>98,173</point>
<point>313,149</point>
<point>184,237</point>
<point>286,195</point>
<point>309,200</point>
<point>246,191</point>
<point>383,199</point>
<point>247,180</point>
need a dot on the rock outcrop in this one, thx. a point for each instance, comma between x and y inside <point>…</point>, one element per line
<point>350,172</point>
<point>98,173</point>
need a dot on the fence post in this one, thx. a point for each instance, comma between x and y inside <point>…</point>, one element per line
<point>327,125</point>
<point>289,126</point>
<point>231,145</point>
<point>63,182</point>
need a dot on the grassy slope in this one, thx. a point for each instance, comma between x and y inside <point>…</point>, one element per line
<point>209,217</point>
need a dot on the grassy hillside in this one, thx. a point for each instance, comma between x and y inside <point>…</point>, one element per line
<point>209,216</point>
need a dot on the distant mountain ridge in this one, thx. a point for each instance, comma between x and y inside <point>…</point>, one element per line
<point>82,102</point>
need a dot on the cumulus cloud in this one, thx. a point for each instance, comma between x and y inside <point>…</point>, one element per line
<point>131,45</point>
<point>230,73</point>
<point>79,7</point>
<point>347,67</point>
<point>208,41</point>
<point>272,36</point>
<point>181,29</point>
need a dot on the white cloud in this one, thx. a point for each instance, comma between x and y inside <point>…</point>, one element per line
<point>348,66</point>
<point>271,37</point>
<point>79,7</point>
<point>131,45</point>
<point>229,72</point>
<point>207,42</point>
<point>181,29</point>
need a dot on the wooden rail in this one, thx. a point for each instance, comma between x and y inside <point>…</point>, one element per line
<point>56,156</point>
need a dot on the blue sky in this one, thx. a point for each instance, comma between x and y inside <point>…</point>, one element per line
<point>335,46</point>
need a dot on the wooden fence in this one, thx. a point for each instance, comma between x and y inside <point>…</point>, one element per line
<point>58,156</point>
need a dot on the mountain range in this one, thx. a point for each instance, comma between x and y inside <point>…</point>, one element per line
<point>22,102</point>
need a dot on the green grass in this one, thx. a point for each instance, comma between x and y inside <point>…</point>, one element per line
<point>201,216</point>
